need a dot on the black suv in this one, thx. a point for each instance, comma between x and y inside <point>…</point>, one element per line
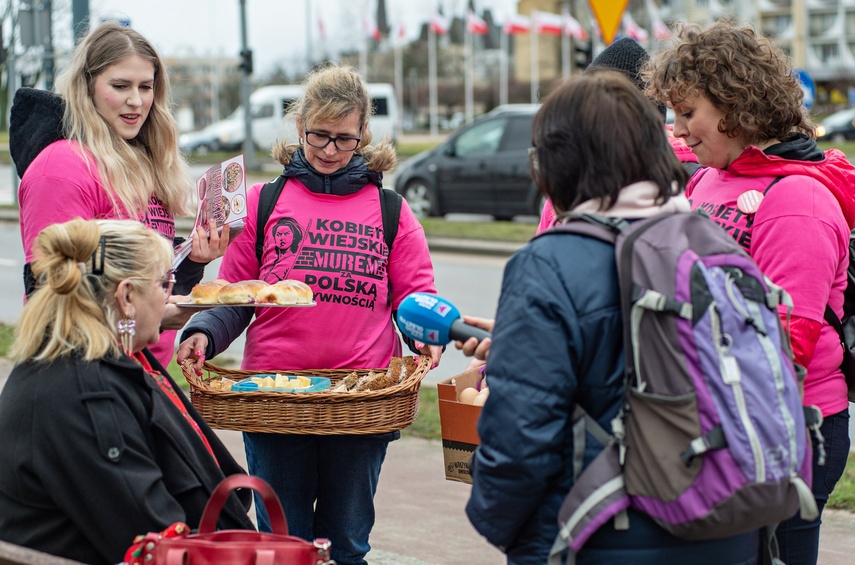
<point>482,168</point>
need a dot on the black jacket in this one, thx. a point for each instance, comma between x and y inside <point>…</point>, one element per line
<point>94,454</point>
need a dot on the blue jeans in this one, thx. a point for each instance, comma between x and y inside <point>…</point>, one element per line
<point>326,485</point>
<point>798,539</point>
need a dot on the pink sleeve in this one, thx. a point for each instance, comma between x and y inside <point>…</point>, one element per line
<point>798,242</point>
<point>410,266</point>
<point>47,200</point>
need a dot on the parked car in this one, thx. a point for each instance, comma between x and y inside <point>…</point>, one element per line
<point>482,168</point>
<point>225,135</point>
<point>837,127</point>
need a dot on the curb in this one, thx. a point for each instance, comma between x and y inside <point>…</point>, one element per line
<point>447,244</point>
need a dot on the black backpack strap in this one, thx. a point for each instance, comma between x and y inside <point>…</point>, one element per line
<point>390,211</point>
<point>266,202</point>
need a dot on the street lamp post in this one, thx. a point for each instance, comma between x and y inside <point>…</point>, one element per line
<point>246,68</point>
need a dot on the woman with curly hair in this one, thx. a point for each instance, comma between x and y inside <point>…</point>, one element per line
<point>739,108</point>
<point>326,482</point>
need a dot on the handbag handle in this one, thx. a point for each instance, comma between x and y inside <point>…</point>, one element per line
<point>211,514</point>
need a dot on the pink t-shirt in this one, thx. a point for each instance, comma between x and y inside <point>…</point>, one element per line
<point>59,186</point>
<point>799,238</point>
<point>335,245</point>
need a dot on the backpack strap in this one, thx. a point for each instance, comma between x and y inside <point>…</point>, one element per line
<point>266,202</point>
<point>390,211</point>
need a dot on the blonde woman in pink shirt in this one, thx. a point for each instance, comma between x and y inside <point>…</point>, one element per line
<point>106,147</point>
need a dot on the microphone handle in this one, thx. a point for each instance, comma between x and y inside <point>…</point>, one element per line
<point>461,331</point>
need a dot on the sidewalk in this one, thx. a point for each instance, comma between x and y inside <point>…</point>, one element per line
<point>421,519</point>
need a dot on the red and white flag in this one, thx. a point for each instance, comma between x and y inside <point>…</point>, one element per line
<point>400,30</point>
<point>322,29</point>
<point>660,30</point>
<point>633,30</point>
<point>438,24</point>
<point>574,29</point>
<point>516,24</point>
<point>546,23</point>
<point>475,24</point>
<point>371,29</point>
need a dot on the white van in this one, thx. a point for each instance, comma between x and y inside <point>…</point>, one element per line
<point>269,105</point>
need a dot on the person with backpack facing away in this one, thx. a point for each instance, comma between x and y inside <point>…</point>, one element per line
<point>331,182</point>
<point>557,343</point>
<point>738,106</point>
<point>107,147</point>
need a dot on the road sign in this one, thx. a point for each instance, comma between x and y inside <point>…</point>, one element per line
<point>608,14</point>
<point>808,87</point>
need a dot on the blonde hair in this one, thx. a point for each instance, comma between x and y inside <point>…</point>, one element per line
<point>80,264</point>
<point>330,94</point>
<point>131,171</point>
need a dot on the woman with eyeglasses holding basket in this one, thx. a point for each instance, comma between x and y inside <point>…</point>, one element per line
<point>326,483</point>
<point>99,443</point>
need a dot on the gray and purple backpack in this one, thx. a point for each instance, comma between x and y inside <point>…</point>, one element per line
<point>711,439</point>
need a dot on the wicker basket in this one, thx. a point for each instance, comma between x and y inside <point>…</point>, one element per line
<point>310,413</point>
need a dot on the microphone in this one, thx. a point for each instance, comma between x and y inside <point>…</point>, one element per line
<point>434,320</point>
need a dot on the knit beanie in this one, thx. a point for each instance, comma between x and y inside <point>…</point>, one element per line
<point>626,56</point>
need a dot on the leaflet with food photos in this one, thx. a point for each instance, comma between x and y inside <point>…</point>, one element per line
<point>222,196</point>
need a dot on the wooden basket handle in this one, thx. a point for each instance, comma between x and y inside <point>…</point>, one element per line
<point>211,514</point>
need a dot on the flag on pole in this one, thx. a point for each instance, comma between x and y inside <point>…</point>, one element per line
<point>574,29</point>
<point>516,23</point>
<point>660,31</point>
<point>371,29</point>
<point>438,24</point>
<point>400,30</point>
<point>475,24</point>
<point>322,29</point>
<point>546,23</point>
<point>633,30</point>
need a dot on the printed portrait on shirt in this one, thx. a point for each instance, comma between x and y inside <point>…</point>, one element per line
<point>287,238</point>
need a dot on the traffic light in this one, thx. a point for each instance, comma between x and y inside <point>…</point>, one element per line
<point>246,61</point>
<point>584,51</point>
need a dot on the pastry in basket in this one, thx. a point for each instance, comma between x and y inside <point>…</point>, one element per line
<point>285,292</point>
<point>347,384</point>
<point>207,292</point>
<point>223,384</point>
<point>242,292</point>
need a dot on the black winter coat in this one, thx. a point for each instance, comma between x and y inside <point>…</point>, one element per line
<point>93,454</point>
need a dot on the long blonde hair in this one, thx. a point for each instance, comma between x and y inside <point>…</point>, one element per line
<point>131,171</point>
<point>80,265</point>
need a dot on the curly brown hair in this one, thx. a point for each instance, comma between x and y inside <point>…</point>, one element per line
<point>743,74</point>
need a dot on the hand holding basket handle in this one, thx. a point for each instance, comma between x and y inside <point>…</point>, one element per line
<point>237,547</point>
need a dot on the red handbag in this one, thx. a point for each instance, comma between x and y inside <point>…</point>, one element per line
<point>236,547</point>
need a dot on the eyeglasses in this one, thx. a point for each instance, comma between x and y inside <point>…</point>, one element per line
<point>321,140</point>
<point>166,283</point>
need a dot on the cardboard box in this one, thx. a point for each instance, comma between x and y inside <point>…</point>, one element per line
<point>459,425</point>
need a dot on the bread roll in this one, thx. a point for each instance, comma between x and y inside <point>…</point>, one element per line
<point>285,292</point>
<point>207,292</point>
<point>242,292</point>
<point>303,291</point>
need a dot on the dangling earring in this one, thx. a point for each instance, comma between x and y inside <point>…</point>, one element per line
<point>127,330</point>
<point>301,140</point>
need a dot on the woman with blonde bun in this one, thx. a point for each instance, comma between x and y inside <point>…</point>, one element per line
<point>99,443</point>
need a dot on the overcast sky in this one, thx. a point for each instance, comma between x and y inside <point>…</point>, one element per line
<point>276,28</point>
